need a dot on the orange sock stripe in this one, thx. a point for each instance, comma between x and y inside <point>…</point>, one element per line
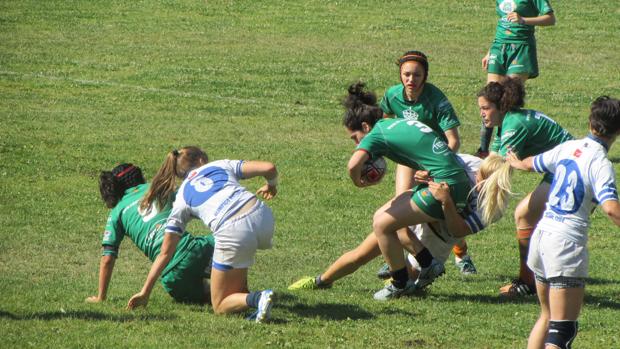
<point>524,234</point>
<point>460,251</point>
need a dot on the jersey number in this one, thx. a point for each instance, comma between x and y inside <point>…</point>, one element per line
<point>420,125</point>
<point>567,189</point>
<point>201,188</point>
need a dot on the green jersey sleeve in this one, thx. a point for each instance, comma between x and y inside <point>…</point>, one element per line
<point>113,234</point>
<point>497,142</point>
<point>543,6</point>
<point>446,116</point>
<point>514,137</point>
<point>373,143</point>
<point>385,103</point>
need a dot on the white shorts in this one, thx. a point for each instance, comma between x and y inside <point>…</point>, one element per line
<point>551,255</point>
<point>440,247</point>
<point>237,240</point>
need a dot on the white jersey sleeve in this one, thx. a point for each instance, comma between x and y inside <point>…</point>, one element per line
<point>179,217</point>
<point>546,162</point>
<point>604,182</point>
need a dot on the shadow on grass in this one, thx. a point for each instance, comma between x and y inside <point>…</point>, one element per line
<point>614,160</point>
<point>323,311</point>
<point>86,315</point>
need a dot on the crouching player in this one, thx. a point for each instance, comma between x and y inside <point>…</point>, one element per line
<point>122,189</point>
<point>583,178</point>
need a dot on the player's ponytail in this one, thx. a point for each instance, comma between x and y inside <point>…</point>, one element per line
<point>176,164</point>
<point>361,106</point>
<point>113,184</point>
<point>494,189</point>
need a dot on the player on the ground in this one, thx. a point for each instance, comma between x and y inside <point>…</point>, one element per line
<point>183,278</point>
<point>583,179</point>
<point>513,51</point>
<point>437,237</point>
<point>240,223</point>
<point>526,132</point>
<point>417,99</point>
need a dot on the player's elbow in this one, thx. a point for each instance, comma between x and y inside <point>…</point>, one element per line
<point>612,209</point>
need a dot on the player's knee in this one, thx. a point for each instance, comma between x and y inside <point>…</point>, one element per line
<point>561,333</point>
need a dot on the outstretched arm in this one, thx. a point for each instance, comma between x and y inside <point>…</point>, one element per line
<point>526,164</point>
<point>265,169</point>
<point>106,266</point>
<point>168,248</point>
<point>455,223</point>
<point>612,209</point>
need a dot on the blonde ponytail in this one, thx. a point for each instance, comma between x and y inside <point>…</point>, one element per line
<point>494,188</point>
<point>163,184</point>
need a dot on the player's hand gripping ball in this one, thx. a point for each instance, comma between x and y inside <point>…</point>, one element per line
<point>374,170</point>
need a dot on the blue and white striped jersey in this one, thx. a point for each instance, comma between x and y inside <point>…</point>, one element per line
<point>212,193</point>
<point>472,214</point>
<point>583,178</point>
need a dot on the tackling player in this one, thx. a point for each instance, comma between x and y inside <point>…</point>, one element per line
<point>240,223</point>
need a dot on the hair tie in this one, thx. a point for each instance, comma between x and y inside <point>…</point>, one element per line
<point>123,172</point>
<point>411,57</point>
<point>175,153</point>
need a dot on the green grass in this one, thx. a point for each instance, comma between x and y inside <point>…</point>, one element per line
<point>85,85</point>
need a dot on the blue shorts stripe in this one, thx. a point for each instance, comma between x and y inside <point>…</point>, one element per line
<point>221,267</point>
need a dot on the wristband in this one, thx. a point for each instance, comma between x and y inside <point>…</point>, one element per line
<point>273,182</point>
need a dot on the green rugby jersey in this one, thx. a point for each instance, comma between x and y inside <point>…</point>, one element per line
<point>412,143</point>
<point>508,32</point>
<point>432,108</point>
<point>528,132</point>
<point>147,232</point>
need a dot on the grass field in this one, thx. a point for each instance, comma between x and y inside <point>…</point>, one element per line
<point>85,85</point>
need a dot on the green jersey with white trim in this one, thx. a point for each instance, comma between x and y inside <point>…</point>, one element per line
<point>528,132</point>
<point>146,231</point>
<point>414,144</point>
<point>509,32</point>
<point>432,108</point>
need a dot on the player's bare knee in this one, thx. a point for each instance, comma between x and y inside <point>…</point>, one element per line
<point>561,333</point>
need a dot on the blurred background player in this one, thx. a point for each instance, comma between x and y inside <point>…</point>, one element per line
<point>240,223</point>
<point>526,132</point>
<point>417,99</point>
<point>583,179</point>
<point>183,277</point>
<point>513,51</point>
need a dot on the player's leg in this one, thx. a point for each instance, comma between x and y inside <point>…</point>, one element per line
<point>565,303</point>
<point>538,334</point>
<point>397,213</point>
<point>229,290</point>
<point>346,264</point>
<point>527,214</point>
<point>462,259</point>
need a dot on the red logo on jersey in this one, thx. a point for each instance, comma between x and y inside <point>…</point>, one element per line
<point>577,153</point>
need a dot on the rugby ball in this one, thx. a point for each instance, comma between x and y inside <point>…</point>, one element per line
<point>374,169</point>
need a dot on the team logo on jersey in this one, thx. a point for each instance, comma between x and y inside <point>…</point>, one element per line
<point>507,6</point>
<point>439,146</point>
<point>107,234</point>
<point>577,153</point>
<point>410,114</point>
<point>507,134</point>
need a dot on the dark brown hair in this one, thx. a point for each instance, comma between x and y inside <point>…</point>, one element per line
<point>113,184</point>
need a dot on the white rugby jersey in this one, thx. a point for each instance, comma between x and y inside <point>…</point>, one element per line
<point>212,193</point>
<point>583,177</point>
<point>472,215</point>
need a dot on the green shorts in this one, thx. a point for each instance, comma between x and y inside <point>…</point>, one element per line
<point>184,282</point>
<point>548,178</point>
<point>508,59</point>
<point>427,203</point>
